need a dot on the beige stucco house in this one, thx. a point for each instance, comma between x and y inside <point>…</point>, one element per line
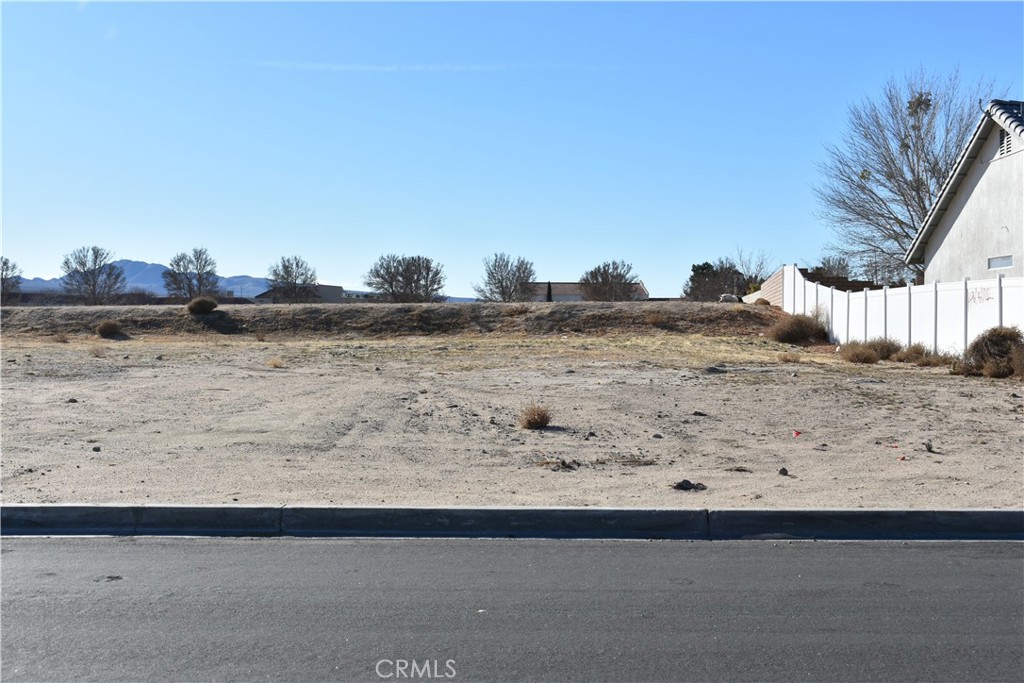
<point>975,228</point>
<point>571,291</point>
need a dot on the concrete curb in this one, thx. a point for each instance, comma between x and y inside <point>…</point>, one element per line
<point>607,523</point>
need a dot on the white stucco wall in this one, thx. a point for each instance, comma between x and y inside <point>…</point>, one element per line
<point>985,219</point>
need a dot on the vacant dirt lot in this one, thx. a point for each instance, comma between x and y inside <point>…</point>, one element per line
<point>353,417</point>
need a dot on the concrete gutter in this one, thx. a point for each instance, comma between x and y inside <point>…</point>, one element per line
<point>504,522</point>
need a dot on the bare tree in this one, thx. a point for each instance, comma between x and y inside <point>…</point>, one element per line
<point>292,280</point>
<point>881,179</point>
<point>708,281</point>
<point>610,281</point>
<point>91,275</point>
<point>407,279</point>
<point>191,275</point>
<point>506,279</point>
<point>10,280</point>
<point>832,266</point>
<point>757,266</point>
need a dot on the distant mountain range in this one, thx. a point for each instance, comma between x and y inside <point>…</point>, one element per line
<point>149,277</point>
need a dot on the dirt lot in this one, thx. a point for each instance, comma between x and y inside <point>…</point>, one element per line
<point>172,416</point>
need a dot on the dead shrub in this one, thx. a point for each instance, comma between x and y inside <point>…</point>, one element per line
<point>910,354</point>
<point>202,305</point>
<point>991,353</point>
<point>514,310</point>
<point>737,308</point>
<point>858,352</point>
<point>109,329</point>
<point>260,337</point>
<point>798,329</point>
<point>97,352</point>
<point>659,320</point>
<point>789,357</point>
<point>938,360</point>
<point>534,416</point>
<point>275,362</point>
<point>1017,361</point>
<point>61,338</point>
<point>885,348</point>
<point>762,302</point>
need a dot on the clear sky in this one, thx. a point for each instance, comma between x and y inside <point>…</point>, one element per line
<point>663,134</point>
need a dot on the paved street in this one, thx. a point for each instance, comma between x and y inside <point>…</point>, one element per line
<point>126,609</point>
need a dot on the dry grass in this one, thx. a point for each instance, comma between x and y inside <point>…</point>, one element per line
<point>798,329</point>
<point>202,305</point>
<point>109,329</point>
<point>762,302</point>
<point>534,416</point>
<point>512,310</point>
<point>97,352</point>
<point>858,352</point>
<point>275,362</point>
<point>885,348</point>
<point>61,338</point>
<point>659,320</point>
<point>260,337</point>
<point>790,357</point>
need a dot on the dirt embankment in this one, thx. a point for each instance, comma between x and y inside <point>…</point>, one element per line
<point>374,320</point>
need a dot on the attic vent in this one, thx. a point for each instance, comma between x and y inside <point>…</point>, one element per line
<point>1005,143</point>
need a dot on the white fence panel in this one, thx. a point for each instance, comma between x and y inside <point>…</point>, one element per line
<point>897,322</point>
<point>950,317</point>
<point>944,317</point>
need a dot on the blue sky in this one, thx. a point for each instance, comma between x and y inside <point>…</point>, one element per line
<point>663,134</point>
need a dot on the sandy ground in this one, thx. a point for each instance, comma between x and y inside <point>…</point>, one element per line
<point>432,421</point>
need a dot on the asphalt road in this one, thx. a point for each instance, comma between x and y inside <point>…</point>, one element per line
<point>203,609</point>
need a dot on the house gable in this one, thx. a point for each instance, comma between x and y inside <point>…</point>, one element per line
<point>975,228</point>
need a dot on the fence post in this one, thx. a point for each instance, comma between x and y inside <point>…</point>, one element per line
<point>803,288</point>
<point>885,312</point>
<point>999,296</point>
<point>910,315</point>
<point>816,286</point>
<point>865,314</point>
<point>966,303</point>
<point>935,317</point>
<point>832,313</point>
<point>849,293</point>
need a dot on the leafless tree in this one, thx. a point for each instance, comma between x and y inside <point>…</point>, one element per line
<point>91,275</point>
<point>757,266</point>
<point>610,281</point>
<point>10,280</point>
<point>191,275</point>
<point>407,279</point>
<point>292,280</point>
<point>708,281</point>
<point>506,279</point>
<point>880,180</point>
<point>832,266</point>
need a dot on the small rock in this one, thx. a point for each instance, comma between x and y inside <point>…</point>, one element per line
<point>738,469</point>
<point>1016,395</point>
<point>160,357</point>
<point>657,436</point>
<point>783,471</point>
<point>687,485</point>
<point>697,413</point>
<point>591,434</point>
<point>793,375</point>
<point>714,370</point>
<point>72,400</point>
<point>95,449</point>
<point>376,369</point>
<point>570,371</point>
<point>125,357</point>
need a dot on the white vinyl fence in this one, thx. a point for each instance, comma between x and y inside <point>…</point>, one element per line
<point>944,316</point>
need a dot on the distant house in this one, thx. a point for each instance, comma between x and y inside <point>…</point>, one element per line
<point>975,228</point>
<point>571,291</point>
<point>325,294</point>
